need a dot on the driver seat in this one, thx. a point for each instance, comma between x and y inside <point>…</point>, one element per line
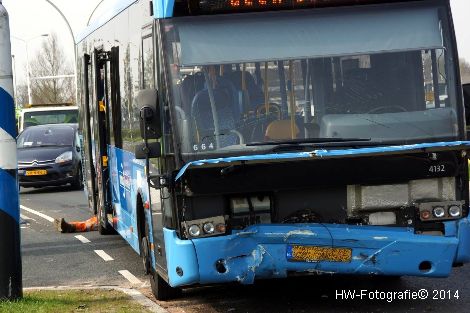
<point>203,120</point>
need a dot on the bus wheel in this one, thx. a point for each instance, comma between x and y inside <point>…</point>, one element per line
<point>146,255</point>
<point>160,288</point>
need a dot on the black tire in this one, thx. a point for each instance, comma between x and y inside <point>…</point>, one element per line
<point>160,288</point>
<point>78,181</point>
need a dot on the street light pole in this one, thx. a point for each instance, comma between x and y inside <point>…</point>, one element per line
<point>28,77</point>
<point>28,69</point>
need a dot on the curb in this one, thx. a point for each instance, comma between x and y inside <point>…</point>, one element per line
<point>136,295</point>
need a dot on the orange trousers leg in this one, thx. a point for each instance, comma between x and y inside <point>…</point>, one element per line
<point>88,225</point>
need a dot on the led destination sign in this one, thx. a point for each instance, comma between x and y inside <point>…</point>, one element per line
<point>208,6</point>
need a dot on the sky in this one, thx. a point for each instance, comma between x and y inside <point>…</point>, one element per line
<point>29,19</point>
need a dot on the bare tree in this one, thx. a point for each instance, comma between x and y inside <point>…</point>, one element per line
<point>51,61</point>
<point>464,71</point>
<point>21,96</point>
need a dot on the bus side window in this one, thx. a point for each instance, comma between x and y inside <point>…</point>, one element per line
<point>148,77</point>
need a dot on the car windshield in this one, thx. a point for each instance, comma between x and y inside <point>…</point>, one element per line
<point>50,117</point>
<point>247,79</point>
<point>44,136</point>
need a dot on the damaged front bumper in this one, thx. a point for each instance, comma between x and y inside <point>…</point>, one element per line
<point>260,251</point>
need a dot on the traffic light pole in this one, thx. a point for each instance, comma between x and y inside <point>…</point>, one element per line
<point>10,253</point>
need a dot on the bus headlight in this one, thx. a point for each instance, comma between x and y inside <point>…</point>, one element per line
<point>439,211</point>
<point>194,230</point>
<point>454,211</point>
<point>209,228</point>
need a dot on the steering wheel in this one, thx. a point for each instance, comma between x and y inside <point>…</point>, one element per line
<point>387,109</point>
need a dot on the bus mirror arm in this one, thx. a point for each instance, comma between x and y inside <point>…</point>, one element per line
<point>147,150</point>
<point>160,181</point>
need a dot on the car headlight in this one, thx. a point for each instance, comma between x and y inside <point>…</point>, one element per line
<point>64,157</point>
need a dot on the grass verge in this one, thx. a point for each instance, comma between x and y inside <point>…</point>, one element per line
<point>89,301</point>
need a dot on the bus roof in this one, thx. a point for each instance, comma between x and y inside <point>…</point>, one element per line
<point>117,7</point>
<point>164,8</point>
<point>161,9</point>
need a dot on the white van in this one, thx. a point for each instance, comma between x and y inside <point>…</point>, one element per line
<point>47,114</point>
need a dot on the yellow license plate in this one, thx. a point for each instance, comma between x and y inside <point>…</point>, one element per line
<point>36,173</point>
<point>316,254</point>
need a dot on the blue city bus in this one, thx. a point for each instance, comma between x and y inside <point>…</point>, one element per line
<point>236,140</point>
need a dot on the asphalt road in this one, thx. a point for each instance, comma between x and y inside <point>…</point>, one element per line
<point>51,258</point>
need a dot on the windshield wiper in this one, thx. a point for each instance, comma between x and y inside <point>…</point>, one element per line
<point>308,140</point>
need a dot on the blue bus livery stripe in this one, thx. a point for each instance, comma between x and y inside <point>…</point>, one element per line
<point>323,154</point>
<point>127,181</point>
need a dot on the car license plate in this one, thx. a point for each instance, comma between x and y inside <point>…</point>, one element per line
<point>316,254</point>
<point>36,173</point>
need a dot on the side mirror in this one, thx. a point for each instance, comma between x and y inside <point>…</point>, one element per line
<point>77,148</point>
<point>150,150</point>
<point>150,123</point>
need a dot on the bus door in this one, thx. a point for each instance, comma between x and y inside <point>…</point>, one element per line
<point>158,196</point>
<point>89,160</point>
<point>102,118</point>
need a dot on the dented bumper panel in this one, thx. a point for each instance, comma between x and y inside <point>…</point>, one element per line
<point>260,251</point>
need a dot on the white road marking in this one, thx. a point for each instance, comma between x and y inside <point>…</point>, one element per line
<point>104,255</point>
<point>82,239</point>
<point>131,278</point>
<point>27,218</point>
<point>44,216</point>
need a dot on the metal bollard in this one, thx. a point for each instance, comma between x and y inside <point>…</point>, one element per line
<point>10,251</point>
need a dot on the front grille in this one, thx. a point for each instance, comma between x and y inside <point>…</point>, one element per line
<point>35,163</point>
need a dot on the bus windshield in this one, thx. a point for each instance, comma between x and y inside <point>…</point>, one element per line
<point>303,77</point>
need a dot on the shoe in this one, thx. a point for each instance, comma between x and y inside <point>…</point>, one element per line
<point>58,224</point>
<point>65,227</point>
